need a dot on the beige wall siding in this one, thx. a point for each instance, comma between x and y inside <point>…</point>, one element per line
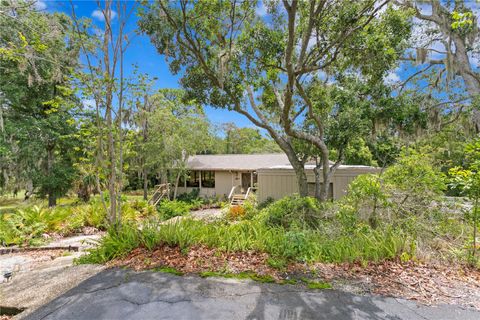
<point>223,183</point>
<point>278,183</point>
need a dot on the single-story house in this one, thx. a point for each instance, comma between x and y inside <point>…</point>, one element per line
<point>271,175</point>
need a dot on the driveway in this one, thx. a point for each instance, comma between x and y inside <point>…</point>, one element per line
<point>125,294</point>
<point>40,276</point>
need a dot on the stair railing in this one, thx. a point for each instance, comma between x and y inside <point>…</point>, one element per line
<point>249,190</point>
<point>160,192</point>
<point>232,192</point>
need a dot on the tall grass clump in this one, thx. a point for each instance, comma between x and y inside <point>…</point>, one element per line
<point>294,244</point>
<point>117,242</point>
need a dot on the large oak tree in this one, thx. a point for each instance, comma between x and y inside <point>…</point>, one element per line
<point>274,69</point>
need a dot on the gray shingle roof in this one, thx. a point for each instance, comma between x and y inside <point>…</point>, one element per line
<point>236,161</point>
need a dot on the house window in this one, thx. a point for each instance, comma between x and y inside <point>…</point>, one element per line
<point>208,179</point>
<point>193,179</point>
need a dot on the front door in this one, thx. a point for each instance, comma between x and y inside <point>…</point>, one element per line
<point>246,181</point>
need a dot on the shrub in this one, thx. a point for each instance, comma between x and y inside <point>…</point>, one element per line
<point>298,246</point>
<point>235,212</point>
<point>250,206</point>
<point>116,243</point>
<point>137,210</point>
<point>247,210</point>
<point>415,175</point>
<point>26,226</point>
<point>169,209</point>
<point>265,203</point>
<point>293,211</point>
<point>188,197</point>
<point>365,195</point>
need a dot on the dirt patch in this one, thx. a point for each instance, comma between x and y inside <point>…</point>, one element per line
<point>425,283</point>
<point>44,255</point>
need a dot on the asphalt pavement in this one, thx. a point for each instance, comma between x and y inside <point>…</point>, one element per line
<point>125,294</point>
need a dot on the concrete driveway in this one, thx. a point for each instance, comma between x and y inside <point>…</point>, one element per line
<point>125,294</point>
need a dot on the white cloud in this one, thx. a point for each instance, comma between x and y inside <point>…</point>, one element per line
<point>88,104</point>
<point>40,5</point>
<point>392,77</point>
<point>97,14</point>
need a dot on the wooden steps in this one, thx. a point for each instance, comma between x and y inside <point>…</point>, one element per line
<point>238,199</point>
<point>161,191</point>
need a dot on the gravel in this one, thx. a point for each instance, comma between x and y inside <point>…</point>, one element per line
<point>41,276</point>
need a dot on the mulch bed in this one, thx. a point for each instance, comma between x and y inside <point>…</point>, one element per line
<point>425,283</point>
<point>197,259</point>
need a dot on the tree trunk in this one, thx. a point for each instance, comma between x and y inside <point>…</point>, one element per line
<point>145,140</point>
<point>112,177</point>
<point>177,179</point>
<point>475,209</point>
<point>145,183</point>
<point>461,61</point>
<point>28,189</point>
<point>298,167</point>
<point>327,173</point>
<point>301,179</point>
<point>2,126</point>
<point>52,199</point>
<point>318,181</point>
<point>112,168</point>
<point>465,69</point>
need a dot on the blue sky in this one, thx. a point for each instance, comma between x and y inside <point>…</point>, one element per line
<point>142,53</point>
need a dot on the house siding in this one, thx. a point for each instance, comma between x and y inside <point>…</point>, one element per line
<point>223,183</point>
<point>278,183</point>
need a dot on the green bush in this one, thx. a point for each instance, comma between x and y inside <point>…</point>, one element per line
<point>169,209</point>
<point>265,203</point>
<point>415,174</point>
<point>137,210</point>
<point>292,212</point>
<point>189,197</point>
<point>27,226</point>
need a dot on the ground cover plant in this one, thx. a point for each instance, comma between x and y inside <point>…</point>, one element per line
<point>35,224</point>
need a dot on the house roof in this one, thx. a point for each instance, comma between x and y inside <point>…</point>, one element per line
<point>236,162</point>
